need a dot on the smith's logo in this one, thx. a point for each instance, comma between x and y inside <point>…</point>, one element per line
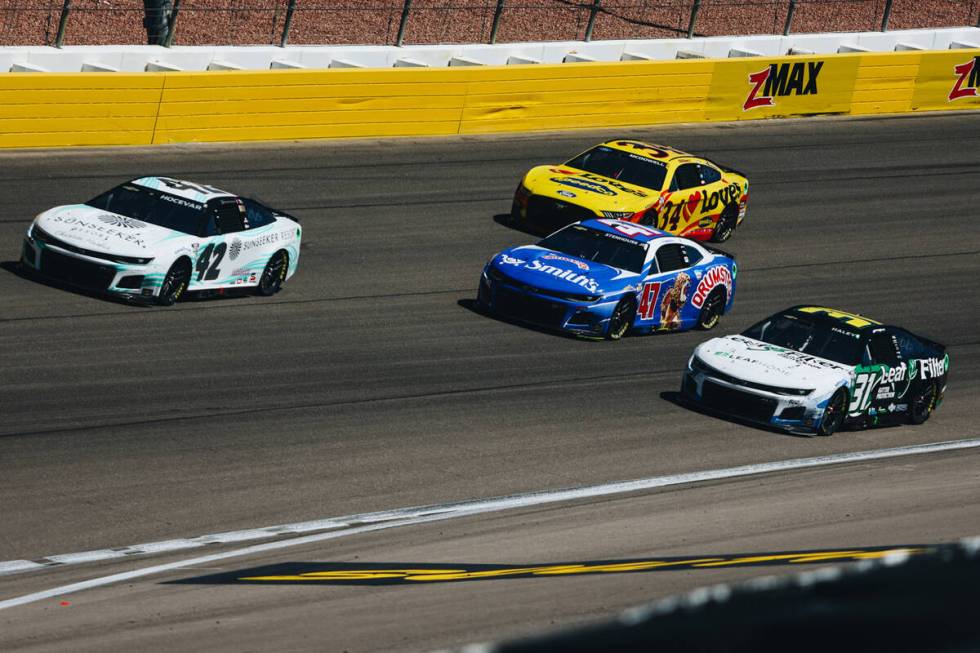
<point>782,79</point>
<point>969,79</point>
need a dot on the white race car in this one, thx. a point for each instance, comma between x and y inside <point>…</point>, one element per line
<point>155,238</point>
<point>813,369</point>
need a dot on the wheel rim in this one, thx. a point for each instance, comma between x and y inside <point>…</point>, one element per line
<point>834,415</point>
<point>275,272</point>
<point>174,284</point>
<point>713,312</point>
<point>922,405</point>
<point>725,227</point>
<point>618,323</point>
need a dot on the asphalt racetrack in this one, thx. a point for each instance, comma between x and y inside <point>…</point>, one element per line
<point>369,384</point>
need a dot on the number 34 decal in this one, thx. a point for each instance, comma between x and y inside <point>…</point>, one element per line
<point>208,260</point>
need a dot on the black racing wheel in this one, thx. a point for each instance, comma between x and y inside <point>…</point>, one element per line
<point>834,413</point>
<point>274,274</point>
<point>922,404</point>
<point>622,319</point>
<point>726,224</point>
<point>175,283</point>
<point>711,310</point>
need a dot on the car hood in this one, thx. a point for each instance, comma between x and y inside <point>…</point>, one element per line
<point>102,231</point>
<point>587,189</point>
<point>549,270</point>
<point>759,362</point>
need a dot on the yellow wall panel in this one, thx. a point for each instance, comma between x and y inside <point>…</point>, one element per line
<point>417,103</point>
<point>72,139</point>
<point>86,81</point>
<point>78,96</point>
<point>303,118</point>
<point>948,81</point>
<point>618,119</point>
<point>652,94</point>
<point>353,130</point>
<point>306,91</point>
<point>749,88</point>
<point>75,124</point>
<point>59,110</point>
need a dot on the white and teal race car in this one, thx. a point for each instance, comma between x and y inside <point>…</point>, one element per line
<point>154,239</point>
<point>814,370</point>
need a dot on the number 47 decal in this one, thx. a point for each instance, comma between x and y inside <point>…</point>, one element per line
<point>207,269</point>
<point>648,300</point>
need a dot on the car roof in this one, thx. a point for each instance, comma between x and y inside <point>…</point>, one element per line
<point>835,317</point>
<point>644,149</point>
<point>624,229</point>
<point>187,189</point>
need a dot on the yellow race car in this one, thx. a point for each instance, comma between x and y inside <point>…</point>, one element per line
<point>629,180</point>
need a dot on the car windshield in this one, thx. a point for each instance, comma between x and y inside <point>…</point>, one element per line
<point>811,337</point>
<point>152,206</point>
<point>599,246</point>
<point>624,166</point>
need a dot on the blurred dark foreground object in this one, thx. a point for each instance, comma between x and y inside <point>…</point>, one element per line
<point>927,602</point>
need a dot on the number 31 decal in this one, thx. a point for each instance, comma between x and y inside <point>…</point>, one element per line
<point>207,269</point>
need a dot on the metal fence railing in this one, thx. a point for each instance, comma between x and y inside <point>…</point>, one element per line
<point>402,22</point>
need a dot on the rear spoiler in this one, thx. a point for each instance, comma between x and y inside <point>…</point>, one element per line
<point>728,169</point>
<point>286,215</point>
<point>715,250</point>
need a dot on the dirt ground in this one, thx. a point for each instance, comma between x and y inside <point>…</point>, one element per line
<point>254,22</point>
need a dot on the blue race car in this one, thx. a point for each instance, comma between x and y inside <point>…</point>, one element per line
<point>606,278</point>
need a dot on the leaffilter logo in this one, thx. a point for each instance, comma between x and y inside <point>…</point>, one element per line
<point>235,249</point>
<point>968,80</point>
<point>780,80</point>
<point>122,222</point>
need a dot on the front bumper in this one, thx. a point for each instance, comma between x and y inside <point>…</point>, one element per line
<point>523,304</point>
<point>789,413</point>
<point>88,273</point>
<point>548,214</point>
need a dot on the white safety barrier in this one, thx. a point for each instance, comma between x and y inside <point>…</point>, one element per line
<point>139,58</point>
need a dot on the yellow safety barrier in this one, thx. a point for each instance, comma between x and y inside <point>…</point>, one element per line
<point>48,109</point>
<point>54,109</point>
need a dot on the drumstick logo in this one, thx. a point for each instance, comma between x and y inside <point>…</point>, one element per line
<point>780,80</point>
<point>969,79</point>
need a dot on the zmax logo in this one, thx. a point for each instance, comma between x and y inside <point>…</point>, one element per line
<point>968,80</point>
<point>780,80</point>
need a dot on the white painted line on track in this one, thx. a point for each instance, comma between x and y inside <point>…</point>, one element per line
<point>369,522</point>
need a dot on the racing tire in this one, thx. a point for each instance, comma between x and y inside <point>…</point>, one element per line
<point>833,414</point>
<point>621,320</point>
<point>274,274</point>
<point>711,311</point>
<point>726,224</point>
<point>922,405</point>
<point>175,283</point>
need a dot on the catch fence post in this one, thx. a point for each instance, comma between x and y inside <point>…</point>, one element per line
<point>593,11</point>
<point>287,22</point>
<point>496,21</point>
<point>694,18</point>
<point>789,17</point>
<point>62,24</point>
<point>173,24</point>
<point>885,14</point>
<point>403,23</point>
